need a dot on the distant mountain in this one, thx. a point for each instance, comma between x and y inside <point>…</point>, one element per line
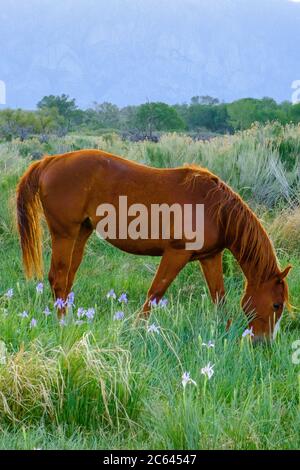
<point>131,51</point>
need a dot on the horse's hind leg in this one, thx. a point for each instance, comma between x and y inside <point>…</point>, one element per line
<point>62,250</point>
<point>170,265</point>
<point>83,236</point>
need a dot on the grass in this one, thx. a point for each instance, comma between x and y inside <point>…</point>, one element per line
<point>108,384</point>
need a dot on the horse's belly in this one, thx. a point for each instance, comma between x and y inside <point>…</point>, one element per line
<point>138,247</point>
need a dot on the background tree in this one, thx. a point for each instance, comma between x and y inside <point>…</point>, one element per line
<point>107,114</point>
<point>128,117</point>
<point>294,113</point>
<point>17,123</point>
<point>49,120</point>
<point>212,117</point>
<point>65,106</point>
<point>244,112</point>
<point>206,99</point>
<point>60,114</point>
<point>152,117</point>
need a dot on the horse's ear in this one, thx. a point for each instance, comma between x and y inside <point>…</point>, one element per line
<point>285,272</point>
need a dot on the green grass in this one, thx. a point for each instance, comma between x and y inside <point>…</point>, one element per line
<point>108,384</point>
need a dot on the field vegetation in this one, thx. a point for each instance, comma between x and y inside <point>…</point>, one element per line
<point>181,381</point>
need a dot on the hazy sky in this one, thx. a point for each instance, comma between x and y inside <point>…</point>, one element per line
<point>131,51</point>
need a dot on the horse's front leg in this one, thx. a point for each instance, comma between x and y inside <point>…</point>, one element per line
<point>213,273</point>
<point>62,249</point>
<point>170,265</point>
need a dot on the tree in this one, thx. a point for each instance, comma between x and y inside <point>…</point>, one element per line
<point>128,117</point>
<point>182,111</point>
<point>206,99</point>
<point>17,123</point>
<point>284,112</point>
<point>221,119</point>
<point>66,108</point>
<point>295,113</point>
<point>211,117</point>
<point>158,117</point>
<point>108,115</point>
<point>242,113</point>
<point>49,120</point>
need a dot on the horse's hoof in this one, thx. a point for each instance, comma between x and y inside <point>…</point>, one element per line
<point>61,313</point>
<point>142,316</point>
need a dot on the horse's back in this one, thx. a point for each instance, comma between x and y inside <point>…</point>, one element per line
<point>101,172</point>
<point>75,184</point>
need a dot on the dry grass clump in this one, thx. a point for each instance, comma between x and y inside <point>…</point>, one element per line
<point>27,379</point>
<point>84,385</point>
<point>285,229</point>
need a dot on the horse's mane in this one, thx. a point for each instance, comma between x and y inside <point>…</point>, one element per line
<point>240,225</point>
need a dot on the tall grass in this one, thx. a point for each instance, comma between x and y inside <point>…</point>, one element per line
<point>262,163</point>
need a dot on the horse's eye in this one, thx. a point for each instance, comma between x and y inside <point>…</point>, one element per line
<point>276,306</point>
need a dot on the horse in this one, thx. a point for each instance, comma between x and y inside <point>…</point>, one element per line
<point>68,188</point>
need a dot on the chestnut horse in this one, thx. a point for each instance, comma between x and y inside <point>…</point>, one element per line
<point>68,189</point>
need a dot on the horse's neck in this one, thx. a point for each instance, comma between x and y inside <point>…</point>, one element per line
<point>248,266</point>
<point>251,246</point>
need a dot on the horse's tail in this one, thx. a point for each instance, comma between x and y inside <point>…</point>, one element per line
<point>28,219</point>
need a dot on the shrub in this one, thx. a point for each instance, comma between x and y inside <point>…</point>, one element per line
<point>285,229</point>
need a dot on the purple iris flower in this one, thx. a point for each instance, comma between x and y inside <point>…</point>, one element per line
<point>123,298</point>
<point>59,303</point>
<point>119,315</point>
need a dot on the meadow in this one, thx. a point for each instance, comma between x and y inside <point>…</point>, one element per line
<point>96,380</point>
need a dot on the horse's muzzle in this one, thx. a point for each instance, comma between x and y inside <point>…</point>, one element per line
<point>261,339</point>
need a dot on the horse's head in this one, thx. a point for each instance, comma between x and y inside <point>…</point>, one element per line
<point>265,303</point>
